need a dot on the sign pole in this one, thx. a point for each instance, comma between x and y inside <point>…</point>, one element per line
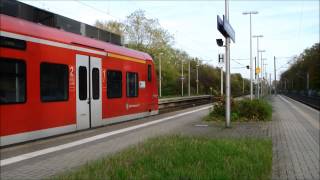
<point>227,54</point>
<point>275,75</point>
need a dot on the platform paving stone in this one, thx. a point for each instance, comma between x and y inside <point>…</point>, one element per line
<point>295,150</point>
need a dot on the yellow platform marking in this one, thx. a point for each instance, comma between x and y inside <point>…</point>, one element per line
<point>126,58</point>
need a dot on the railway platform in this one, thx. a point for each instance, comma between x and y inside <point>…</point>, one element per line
<point>44,158</point>
<point>295,137</point>
<point>294,131</point>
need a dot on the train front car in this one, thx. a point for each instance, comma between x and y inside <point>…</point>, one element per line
<point>53,82</point>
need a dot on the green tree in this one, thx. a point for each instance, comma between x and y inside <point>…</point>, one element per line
<point>146,34</point>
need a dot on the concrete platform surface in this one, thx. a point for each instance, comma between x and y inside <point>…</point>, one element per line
<point>58,161</point>
<point>295,136</point>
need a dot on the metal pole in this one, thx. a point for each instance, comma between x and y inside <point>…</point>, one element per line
<point>182,77</point>
<point>258,81</point>
<point>307,82</point>
<point>270,83</point>
<point>197,78</point>
<point>189,79</point>
<point>255,74</point>
<point>221,81</point>
<point>160,93</point>
<point>285,84</point>
<point>242,85</point>
<point>251,64</point>
<point>228,108</point>
<point>261,85</point>
<point>251,60</point>
<point>275,75</point>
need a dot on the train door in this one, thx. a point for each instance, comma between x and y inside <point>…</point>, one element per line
<point>88,91</point>
<point>96,91</point>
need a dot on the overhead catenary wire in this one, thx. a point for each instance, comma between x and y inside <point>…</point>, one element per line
<point>98,10</point>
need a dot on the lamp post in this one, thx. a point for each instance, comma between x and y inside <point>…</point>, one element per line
<point>262,68</point>
<point>182,77</point>
<point>189,90</point>
<point>160,93</point>
<point>275,75</point>
<point>257,36</point>
<point>251,61</point>
<point>197,81</point>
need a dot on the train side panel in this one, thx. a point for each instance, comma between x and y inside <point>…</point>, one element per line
<point>48,103</point>
<point>35,113</point>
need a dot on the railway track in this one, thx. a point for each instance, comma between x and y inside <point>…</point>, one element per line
<point>312,101</point>
<point>176,103</point>
<point>172,104</point>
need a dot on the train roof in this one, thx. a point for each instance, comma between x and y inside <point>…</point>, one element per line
<point>20,26</point>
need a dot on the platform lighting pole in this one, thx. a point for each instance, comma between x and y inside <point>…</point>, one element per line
<point>197,81</point>
<point>308,82</point>
<point>160,93</point>
<point>262,72</point>
<point>255,74</point>
<point>251,61</point>
<point>227,54</point>
<point>242,85</point>
<point>189,78</point>
<point>275,75</point>
<point>182,78</point>
<point>258,36</point>
<point>221,81</point>
<point>270,84</point>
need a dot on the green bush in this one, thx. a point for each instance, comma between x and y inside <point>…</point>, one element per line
<point>244,110</point>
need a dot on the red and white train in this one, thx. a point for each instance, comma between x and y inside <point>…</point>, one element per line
<point>53,82</point>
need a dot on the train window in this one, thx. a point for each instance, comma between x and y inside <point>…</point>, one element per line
<point>95,83</point>
<point>83,84</point>
<point>12,81</point>
<point>54,82</point>
<point>149,72</point>
<point>12,43</point>
<point>114,84</point>
<point>132,84</point>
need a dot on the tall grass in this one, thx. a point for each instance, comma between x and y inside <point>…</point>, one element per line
<point>177,157</point>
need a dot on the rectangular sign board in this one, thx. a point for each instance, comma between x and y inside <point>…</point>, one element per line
<point>220,26</point>
<point>225,28</point>
<point>228,28</point>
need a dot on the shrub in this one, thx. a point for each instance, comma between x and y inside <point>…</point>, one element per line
<point>245,110</point>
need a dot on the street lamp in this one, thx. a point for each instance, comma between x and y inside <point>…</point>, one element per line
<point>197,81</point>
<point>251,61</point>
<point>182,78</point>
<point>257,36</point>
<point>262,69</point>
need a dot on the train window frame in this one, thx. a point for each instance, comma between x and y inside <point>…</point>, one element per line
<point>12,43</point>
<point>67,82</point>
<point>95,82</point>
<point>80,83</point>
<point>107,83</point>
<point>25,79</point>
<point>149,72</point>
<point>137,84</point>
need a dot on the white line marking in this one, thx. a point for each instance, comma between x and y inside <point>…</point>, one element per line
<point>201,125</point>
<point>26,156</point>
<point>306,116</point>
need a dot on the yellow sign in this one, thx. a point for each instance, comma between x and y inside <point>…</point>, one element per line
<point>258,70</point>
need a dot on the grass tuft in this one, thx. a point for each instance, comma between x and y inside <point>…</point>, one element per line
<point>177,157</point>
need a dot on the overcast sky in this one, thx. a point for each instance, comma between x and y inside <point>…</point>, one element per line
<point>288,27</point>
